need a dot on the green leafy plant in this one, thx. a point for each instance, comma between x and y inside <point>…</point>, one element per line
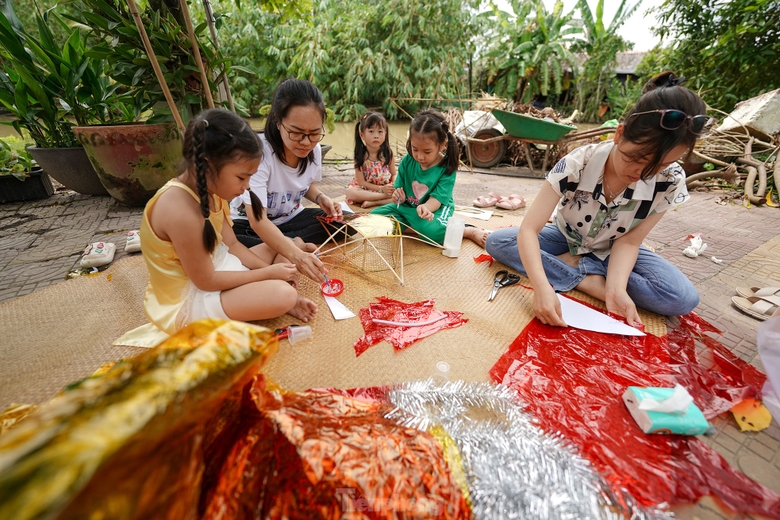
<point>601,44</point>
<point>50,87</point>
<point>14,158</point>
<point>728,50</point>
<point>530,52</point>
<point>119,43</point>
<point>360,53</point>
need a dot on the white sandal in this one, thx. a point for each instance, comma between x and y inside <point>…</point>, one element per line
<point>760,308</point>
<point>761,292</point>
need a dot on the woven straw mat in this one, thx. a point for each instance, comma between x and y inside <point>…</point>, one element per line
<point>64,332</point>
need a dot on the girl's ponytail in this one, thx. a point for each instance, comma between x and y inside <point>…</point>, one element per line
<point>201,168</point>
<point>360,147</point>
<point>452,160</point>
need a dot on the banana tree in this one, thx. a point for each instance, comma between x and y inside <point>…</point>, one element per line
<point>601,44</point>
<point>531,50</point>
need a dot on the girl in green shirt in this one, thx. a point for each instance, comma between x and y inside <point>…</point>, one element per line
<point>422,198</point>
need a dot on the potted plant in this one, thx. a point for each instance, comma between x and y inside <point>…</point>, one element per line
<point>46,86</point>
<point>118,40</point>
<point>20,177</point>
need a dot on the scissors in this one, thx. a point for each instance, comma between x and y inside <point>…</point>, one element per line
<point>502,279</point>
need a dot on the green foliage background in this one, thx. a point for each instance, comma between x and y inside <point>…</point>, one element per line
<point>361,53</point>
<point>729,50</point>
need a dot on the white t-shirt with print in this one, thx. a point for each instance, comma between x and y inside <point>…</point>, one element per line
<point>279,187</point>
<point>589,223</point>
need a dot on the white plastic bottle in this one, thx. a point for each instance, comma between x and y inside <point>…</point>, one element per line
<point>453,237</point>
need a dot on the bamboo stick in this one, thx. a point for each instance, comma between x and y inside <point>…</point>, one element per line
<point>196,49</point>
<point>155,65</point>
<point>215,42</point>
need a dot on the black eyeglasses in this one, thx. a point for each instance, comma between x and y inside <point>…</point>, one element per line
<point>300,136</point>
<point>672,119</point>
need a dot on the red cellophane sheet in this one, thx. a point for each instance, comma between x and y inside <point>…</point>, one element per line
<point>401,337</point>
<point>573,381</point>
<point>320,455</point>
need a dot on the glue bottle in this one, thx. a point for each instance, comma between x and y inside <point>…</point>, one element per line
<point>300,333</point>
<point>453,237</point>
<point>442,374</point>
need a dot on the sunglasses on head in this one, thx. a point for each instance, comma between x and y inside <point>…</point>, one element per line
<point>672,119</point>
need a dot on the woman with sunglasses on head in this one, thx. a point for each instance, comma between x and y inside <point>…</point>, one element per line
<point>608,196</point>
<point>293,166</point>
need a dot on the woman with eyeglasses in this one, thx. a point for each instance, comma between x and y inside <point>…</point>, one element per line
<point>607,197</point>
<point>289,172</point>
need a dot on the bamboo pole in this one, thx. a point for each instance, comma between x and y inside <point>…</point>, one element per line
<point>155,65</point>
<point>204,79</point>
<point>215,42</point>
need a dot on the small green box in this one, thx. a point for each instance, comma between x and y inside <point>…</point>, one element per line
<point>532,128</point>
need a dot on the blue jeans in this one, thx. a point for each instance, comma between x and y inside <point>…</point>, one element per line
<point>654,284</point>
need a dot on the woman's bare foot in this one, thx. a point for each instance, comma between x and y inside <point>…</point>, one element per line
<point>304,246</point>
<point>371,203</point>
<point>304,309</point>
<point>476,235</point>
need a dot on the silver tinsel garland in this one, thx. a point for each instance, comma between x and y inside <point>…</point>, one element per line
<point>514,469</point>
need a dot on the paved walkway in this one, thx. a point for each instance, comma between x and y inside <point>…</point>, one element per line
<point>41,241</point>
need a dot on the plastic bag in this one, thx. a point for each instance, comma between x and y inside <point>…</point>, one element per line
<point>133,442</point>
<point>321,455</point>
<point>573,380</point>
<point>769,350</point>
<point>401,337</point>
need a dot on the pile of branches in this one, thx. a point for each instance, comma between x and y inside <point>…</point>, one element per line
<point>740,159</point>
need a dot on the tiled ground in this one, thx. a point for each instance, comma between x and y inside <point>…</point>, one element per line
<point>41,241</point>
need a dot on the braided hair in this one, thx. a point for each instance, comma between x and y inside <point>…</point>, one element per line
<point>664,91</point>
<point>213,139</point>
<point>431,123</point>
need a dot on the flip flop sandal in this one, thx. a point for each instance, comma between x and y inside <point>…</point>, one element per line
<point>761,292</point>
<point>759,308</point>
<point>512,203</point>
<point>485,202</point>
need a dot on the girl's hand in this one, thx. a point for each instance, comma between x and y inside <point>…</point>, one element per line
<point>327,205</point>
<point>424,213</point>
<point>387,189</point>
<point>283,271</point>
<point>547,307</point>
<point>399,196</point>
<point>619,302</point>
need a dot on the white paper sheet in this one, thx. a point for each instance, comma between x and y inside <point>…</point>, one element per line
<point>477,213</point>
<point>338,309</point>
<point>345,208</point>
<point>583,317</point>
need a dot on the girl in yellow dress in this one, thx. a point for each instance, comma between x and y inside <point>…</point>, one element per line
<point>197,267</point>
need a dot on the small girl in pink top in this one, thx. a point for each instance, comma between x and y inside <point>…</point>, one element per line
<point>374,167</point>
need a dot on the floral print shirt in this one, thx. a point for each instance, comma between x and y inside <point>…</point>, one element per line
<point>591,224</point>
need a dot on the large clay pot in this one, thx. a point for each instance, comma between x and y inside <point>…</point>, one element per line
<point>70,167</point>
<point>132,160</point>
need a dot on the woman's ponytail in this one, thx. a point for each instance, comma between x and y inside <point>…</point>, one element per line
<point>257,206</point>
